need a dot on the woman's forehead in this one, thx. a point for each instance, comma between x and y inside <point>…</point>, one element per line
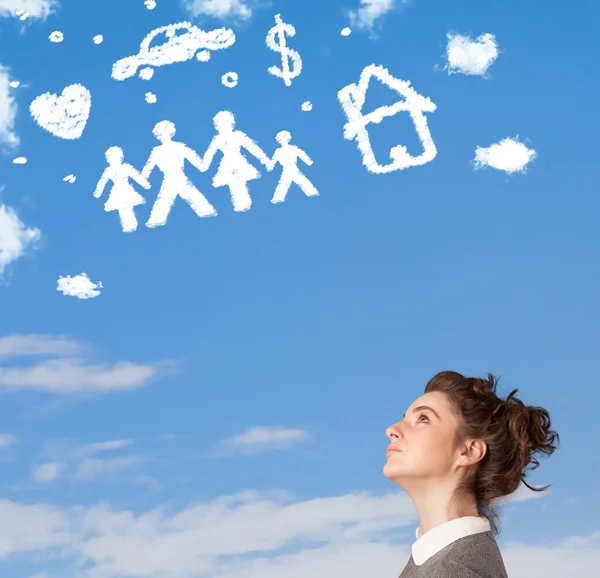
<point>436,400</point>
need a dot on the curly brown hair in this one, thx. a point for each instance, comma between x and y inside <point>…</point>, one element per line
<point>514,433</point>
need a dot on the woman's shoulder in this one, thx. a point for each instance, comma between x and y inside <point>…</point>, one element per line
<point>474,556</point>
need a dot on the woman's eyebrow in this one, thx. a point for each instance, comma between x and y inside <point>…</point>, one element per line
<point>424,407</point>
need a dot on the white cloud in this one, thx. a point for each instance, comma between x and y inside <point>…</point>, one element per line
<point>36,8</point>
<point>509,155</point>
<point>260,439</point>
<point>27,528</point>
<point>8,110</point>
<point>219,8</point>
<point>47,472</point>
<point>15,237</point>
<point>471,57</point>
<point>92,468</point>
<point>67,375</point>
<point>20,345</point>
<point>147,481</point>
<point>191,541</point>
<point>93,448</point>
<point>66,456</point>
<point>8,440</point>
<point>581,554</point>
<point>80,286</point>
<point>67,450</point>
<point>370,11</point>
<point>238,536</point>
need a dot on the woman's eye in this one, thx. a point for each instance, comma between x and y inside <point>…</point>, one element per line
<point>423,415</point>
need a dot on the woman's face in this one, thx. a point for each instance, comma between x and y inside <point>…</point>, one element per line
<point>427,442</point>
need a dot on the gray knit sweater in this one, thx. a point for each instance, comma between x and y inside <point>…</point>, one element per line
<point>474,556</point>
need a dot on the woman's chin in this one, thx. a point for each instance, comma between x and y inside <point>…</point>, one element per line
<point>392,472</point>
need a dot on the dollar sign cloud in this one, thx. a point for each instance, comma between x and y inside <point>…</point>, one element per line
<point>276,41</point>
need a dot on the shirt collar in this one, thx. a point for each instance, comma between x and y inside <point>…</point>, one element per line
<point>441,536</point>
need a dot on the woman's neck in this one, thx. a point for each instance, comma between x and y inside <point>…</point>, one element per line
<point>437,508</point>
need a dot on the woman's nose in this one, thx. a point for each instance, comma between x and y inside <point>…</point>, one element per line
<point>393,431</point>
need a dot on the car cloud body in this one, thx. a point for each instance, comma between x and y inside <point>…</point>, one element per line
<point>177,47</point>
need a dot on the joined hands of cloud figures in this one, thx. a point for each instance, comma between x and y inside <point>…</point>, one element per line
<point>234,171</point>
<point>65,116</point>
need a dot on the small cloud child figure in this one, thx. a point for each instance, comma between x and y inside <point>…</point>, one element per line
<point>287,156</point>
<point>122,197</point>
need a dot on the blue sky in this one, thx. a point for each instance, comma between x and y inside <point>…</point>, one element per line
<point>299,330</point>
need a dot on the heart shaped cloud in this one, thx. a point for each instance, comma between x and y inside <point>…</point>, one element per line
<point>64,116</point>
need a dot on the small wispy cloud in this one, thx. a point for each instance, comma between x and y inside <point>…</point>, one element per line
<point>93,448</point>
<point>48,472</point>
<point>15,238</point>
<point>66,375</point>
<point>93,468</point>
<point>259,439</point>
<point>79,461</point>
<point>371,11</point>
<point>224,9</point>
<point>8,440</point>
<point>24,345</point>
<point>8,110</point>
<point>471,57</point>
<point>67,450</point>
<point>39,9</point>
<point>509,155</point>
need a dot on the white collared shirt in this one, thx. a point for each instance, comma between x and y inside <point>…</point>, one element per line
<point>441,536</point>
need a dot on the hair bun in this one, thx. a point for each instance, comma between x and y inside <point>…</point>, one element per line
<point>514,433</point>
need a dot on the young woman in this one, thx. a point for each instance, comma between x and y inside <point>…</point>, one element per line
<point>458,448</point>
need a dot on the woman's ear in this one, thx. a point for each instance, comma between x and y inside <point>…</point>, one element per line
<point>473,452</point>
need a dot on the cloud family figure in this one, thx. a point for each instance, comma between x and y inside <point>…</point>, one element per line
<point>123,197</point>
<point>234,171</point>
